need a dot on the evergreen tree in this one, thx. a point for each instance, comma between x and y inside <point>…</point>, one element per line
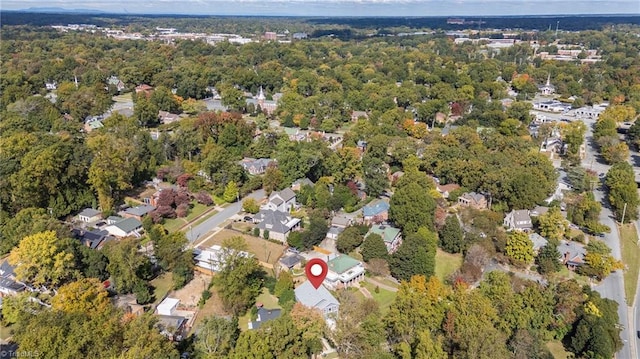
<point>452,236</point>
<point>416,256</point>
<point>374,247</point>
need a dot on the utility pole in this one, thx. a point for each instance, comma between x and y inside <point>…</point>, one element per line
<point>624,212</point>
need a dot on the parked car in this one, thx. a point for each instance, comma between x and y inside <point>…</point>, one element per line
<point>248,218</point>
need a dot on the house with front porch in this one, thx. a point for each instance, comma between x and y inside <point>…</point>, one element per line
<point>319,298</point>
<point>276,224</point>
<point>344,271</point>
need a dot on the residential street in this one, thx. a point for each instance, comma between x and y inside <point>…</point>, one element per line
<point>613,286</point>
<point>216,220</point>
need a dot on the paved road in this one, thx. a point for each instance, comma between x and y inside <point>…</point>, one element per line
<point>611,287</point>
<point>216,220</point>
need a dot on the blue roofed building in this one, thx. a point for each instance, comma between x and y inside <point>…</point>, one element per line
<point>376,212</point>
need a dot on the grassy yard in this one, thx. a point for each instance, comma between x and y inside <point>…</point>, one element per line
<point>566,274</point>
<point>383,297</point>
<point>631,259</point>
<point>447,263</point>
<point>557,350</point>
<point>175,224</point>
<point>161,286</point>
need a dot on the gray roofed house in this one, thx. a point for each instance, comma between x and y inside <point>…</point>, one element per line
<point>538,241</point>
<point>283,201</point>
<point>277,223</point>
<point>125,228</point>
<point>172,326</point>
<point>256,166</point>
<point>538,211</point>
<point>6,269</point>
<point>572,253</point>
<point>290,261</point>
<point>89,215</point>
<point>264,315</point>
<point>320,299</point>
<point>138,211</point>
<point>334,232</point>
<point>340,221</point>
<point>297,184</point>
<point>92,239</point>
<point>518,220</point>
<point>9,286</point>
<point>473,200</point>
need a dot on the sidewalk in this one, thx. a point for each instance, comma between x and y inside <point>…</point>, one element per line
<point>380,284</point>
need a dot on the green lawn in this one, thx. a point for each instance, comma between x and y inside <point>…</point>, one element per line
<point>383,297</point>
<point>557,350</point>
<point>631,259</point>
<point>161,286</point>
<point>175,224</point>
<point>446,264</point>
<point>386,281</point>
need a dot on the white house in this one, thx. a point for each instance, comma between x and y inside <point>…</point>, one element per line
<point>125,228</point>
<point>89,215</point>
<point>211,259</point>
<point>518,220</point>
<point>283,201</point>
<point>168,306</point>
<point>344,271</point>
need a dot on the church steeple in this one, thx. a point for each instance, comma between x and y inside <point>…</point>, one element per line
<point>261,98</point>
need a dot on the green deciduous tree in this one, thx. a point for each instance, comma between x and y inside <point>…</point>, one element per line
<point>620,181</point>
<point>86,295</point>
<point>415,256</point>
<point>230,192</point>
<point>27,222</point>
<point>216,337</point>
<point>375,177</point>
<point>519,248</point>
<point>40,259</point>
<point>127,265</point>
<point>349,240</point>
<point>239,279</point>
<point>411,207</point>
<point>552,224</point>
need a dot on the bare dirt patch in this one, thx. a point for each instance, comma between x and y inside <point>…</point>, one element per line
<point>190,294</point>
<point>265,251</point>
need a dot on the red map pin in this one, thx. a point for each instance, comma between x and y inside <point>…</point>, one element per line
<point>316,270</point>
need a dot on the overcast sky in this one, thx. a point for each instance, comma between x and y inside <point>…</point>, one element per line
<point>340,7</point>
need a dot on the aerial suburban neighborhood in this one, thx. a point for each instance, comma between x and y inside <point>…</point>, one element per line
<point>471,185</point>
